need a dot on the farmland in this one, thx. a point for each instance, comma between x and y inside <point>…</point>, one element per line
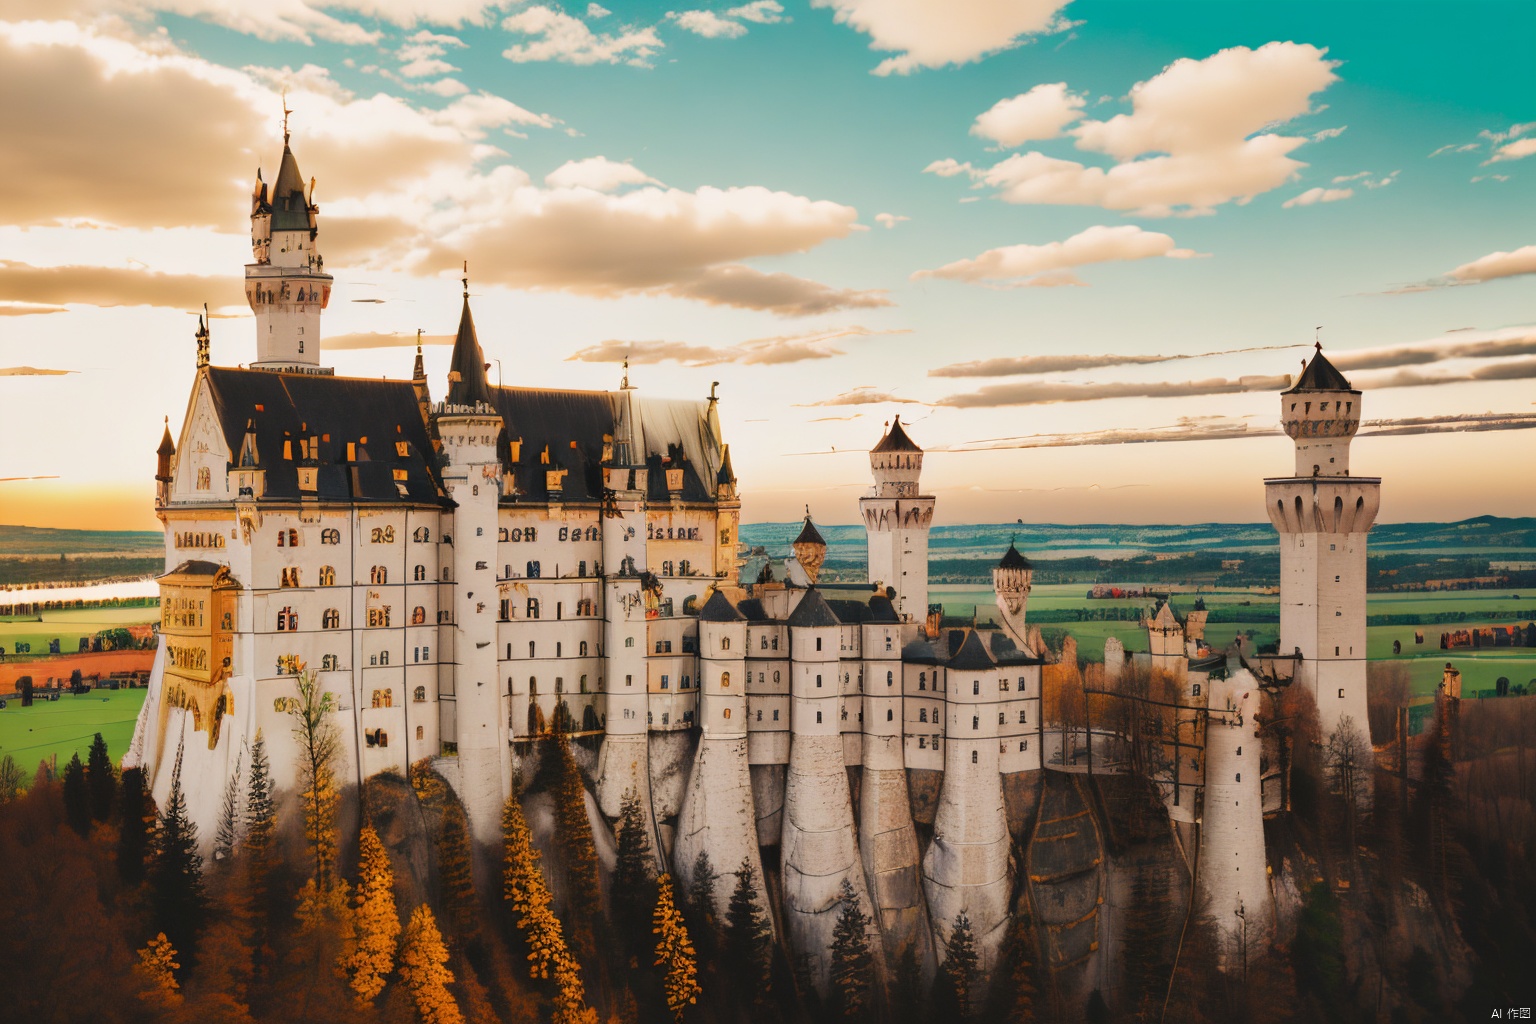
<point>67,725</point>
<point>69,626</point>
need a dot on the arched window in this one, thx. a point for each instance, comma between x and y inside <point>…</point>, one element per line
<point>727,712</point>
<point>889,714</point>
<point>922,680</point>
<point>331,619</point>
<point>922,714</point>
<point>204,481</point>
<point>330,535</point>
<point>581,649</point>
<point>725,680</point>
<point>775,676</point>
<point>329,663</point>
<point>533,608</point>
<point>533,687</point>
<point>591,533</point>
<point>629,641</point>
<point>503,535</point>
<point>725,643</point>
<point>1195,690</point>
<point>420,573</point>
<point>379,575</point>
<point>666,568</point>
<point>419,695</point>
<point>420,732</point>
<point>287,621</point>
<point>418,615</point>
<point>422,535</point>
<point>583,684</point>
<point>327,576</point>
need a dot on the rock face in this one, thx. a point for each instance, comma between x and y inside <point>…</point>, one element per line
<point>888,844</point>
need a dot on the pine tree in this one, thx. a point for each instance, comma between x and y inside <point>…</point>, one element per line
<point>700,910</point>
<point>77,798</point>
<point>45,772</point>
<point>454,858</point>
<point>157,966</point>
<point>376,919</point>
<point>549,957</point>
<point>909,1004</point>
<point>176,873</point>
<point>100,779</point>
<point>674,952</point>
<point>319,742</point>
<point>959,971</point>
<point>10,779</point>
<point>1020,1005</point>
<point>424,970</point>
<point>852,963</point>
<point>137,812</point>
<point>633,881</point>
<point>748,936</point>
<point>573,838</point>
<point>227,835</point>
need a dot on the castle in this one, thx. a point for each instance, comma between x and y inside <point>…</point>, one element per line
<point>467,575</point>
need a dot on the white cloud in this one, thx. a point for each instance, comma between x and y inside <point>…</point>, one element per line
<point>595,11</point>
<point>1040,113</point>
<point>1313,196</point>
<point>708,24</point>
<point>444,87</point>
<point>1200,134</point>
<point>1049,265</point>
<point>931,35</point>
<point>1496,265</point>
<point>597,173</point>
<point>475,115</point>
<point>948,168</point>
<point>1328,133</point>
<point>426,67</point>
<point>1516,150</point>
<point>557,36</point>
<point>763,12</point>
<point>1514,131</point>
<point>890,220</point>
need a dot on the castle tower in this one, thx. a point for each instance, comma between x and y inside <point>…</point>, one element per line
<point>810,550</point>
<point>968,866</point>
<point>165,456</point>
<point>887,835</point>
<point>1323,515</point>
<point>1232,876</point>
<point>897,519</point>
<point>818,848</point>
<point>623,761</point>
<point>470,425</point>
<point>718,815</point>
<point>1011,582</point>
<point>287,286</point>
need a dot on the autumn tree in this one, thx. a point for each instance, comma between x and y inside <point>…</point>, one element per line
<point>11,779</point>
<point>852,971</point>
<point>674,951</point>
<point>634,875</point>
<point>77,798</point>
<point>1348,760</point>
<point>424,970</point>
<point>157,967</point>
<point>455,873</point>
<point>958,973</point>
<point>319,742</point>
<point>176,872</point>
<point>375,918</point>
<point>748,935</point>
<point>573,838</point>
<point>100,779</point>
<point>1018,996</point>
<point>227,835</point>
<point>523,886</point>
<point>136,811</point>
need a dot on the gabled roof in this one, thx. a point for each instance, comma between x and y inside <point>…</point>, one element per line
<point>466,371</point>
<point>290,210</point>
<point>813,610</point>
<point>1320,375</point>
<point>727,474</point>
<point>287,406</point>
<point>1012,559</point>
<point>719,609</point>
<point>809,534</point>
<point>896,440</point>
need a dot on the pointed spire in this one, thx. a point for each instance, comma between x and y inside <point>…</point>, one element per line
<point>896,440</point>
<point>1320,375</point>
<point>202,337</point>
<point>1012,559</point>
<point>165,452</point>
<point>727,474</point>
<point>420,370</point>
<point>466,370</point>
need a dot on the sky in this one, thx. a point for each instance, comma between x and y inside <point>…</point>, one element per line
<point>1077,246</point>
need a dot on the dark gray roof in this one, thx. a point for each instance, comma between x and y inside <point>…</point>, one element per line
<point>374,415</point>
<point>809,534</point>
<point>972,655</point>
<point>719,609</point>
<point>1012,559</point>
<point>727,474</point>
<point>921,652</point>
<point>813,610</point>
<point>167,446</point>
<point>1320,375</point>
<point>196,567</point>
<point>466,371</point>
<point>290,210</point>
<point>753,609</point>
<point>1005,651</point>
<point>896,440</point>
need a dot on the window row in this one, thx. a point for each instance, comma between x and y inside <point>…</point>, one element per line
<point>581,649</point>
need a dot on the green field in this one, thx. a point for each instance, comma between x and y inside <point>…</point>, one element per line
<point>67,725</point>
<point>69,626</point>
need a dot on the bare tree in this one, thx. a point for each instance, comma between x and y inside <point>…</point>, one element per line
<point>1348,759</point>
<point>319,744</point>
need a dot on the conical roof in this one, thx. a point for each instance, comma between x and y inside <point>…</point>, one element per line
<point>290,210</point>
<point>466,371</point>
<point>719,609</point>
<point>896,440</point>
<point>972,655</point>
<point>1320,375</point>
<point>167,445</point>
<point>1013,560</point>
<point>813,610</point>
<point>809,534</point>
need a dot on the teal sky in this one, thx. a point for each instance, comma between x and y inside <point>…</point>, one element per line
<point>1398,218</point>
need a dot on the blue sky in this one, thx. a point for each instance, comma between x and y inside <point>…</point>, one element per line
<point>701,188</point>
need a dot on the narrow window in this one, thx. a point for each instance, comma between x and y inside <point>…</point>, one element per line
<point>974,755</point>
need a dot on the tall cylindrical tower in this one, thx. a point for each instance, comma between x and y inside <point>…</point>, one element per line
<point>1012,581</point>
<point>1323,515</point>
<point>286,286</point>
<point>897,518</point>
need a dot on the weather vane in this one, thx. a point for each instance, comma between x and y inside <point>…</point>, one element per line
<point>286,112</point>
<point>465,279</point>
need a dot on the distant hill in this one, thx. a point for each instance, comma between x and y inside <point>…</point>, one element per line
<point>25,541</point>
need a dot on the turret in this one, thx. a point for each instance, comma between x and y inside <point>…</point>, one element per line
<point>286,285</point>
<point>810,550</point>
<point>165,453</point>
<point>1011,582</point>
<point>897,519</point>
<point>1321,413</point>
